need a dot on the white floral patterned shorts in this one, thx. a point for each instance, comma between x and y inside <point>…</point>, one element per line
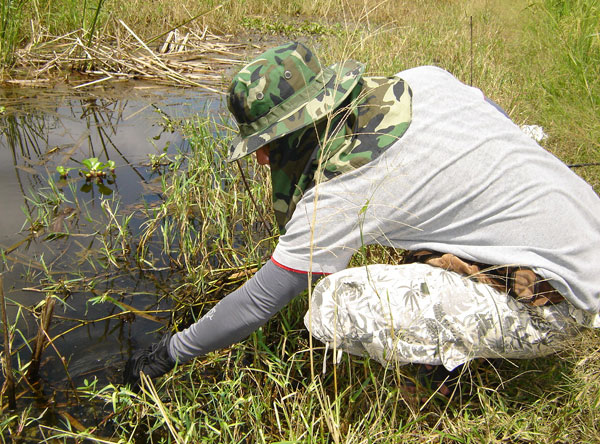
<point>416,313</point>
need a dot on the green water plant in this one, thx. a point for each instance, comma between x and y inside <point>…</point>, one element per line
<point>94,169</point>
<point>63,171</point>
<point>158,161</point>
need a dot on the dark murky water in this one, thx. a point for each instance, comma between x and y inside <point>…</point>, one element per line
<point>42,129</point>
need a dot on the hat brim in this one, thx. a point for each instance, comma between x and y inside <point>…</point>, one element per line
<point>339,81</point>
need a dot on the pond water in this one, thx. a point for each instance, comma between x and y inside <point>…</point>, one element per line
<point>43,129</point>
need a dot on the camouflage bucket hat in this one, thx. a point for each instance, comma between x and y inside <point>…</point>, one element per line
<point>283,90</point>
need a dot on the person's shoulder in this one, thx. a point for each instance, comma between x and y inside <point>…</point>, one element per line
<point>431,79</point>
<point>425,69</point>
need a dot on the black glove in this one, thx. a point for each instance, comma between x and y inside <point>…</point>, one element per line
<point>154,361</point>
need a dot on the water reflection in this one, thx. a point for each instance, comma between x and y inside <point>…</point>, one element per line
<point>40,130</point>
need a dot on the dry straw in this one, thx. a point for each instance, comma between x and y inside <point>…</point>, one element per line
<point>184,59</point>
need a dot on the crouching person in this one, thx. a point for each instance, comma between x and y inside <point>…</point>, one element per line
<point>504,238</point>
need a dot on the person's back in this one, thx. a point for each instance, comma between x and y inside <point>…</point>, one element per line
<point>454,176</point>
<point>465,180</point>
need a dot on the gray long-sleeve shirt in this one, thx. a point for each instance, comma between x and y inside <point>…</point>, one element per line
<point>463,179</point>
<point>240,313</point>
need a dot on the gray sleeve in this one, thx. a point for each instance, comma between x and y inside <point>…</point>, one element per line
<point>240,313</point>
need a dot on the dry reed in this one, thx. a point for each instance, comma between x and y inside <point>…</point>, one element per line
<point>184,59</point>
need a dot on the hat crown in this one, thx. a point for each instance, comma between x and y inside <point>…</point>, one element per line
<point>270,79</point>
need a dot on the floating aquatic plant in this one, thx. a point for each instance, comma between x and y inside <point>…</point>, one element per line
<point>94,169</point>
<point>63,171</point>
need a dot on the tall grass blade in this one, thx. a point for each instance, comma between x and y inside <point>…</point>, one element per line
<point>10,23</point>
<point>94,22</point>
<point>7,358</point>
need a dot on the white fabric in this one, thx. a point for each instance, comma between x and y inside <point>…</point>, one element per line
<point>417,313</point>
<point>465,180</point>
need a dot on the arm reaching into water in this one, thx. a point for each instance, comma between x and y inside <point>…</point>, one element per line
<point>240,313</point>
<point>233,319</point>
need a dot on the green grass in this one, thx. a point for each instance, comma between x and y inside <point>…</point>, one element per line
<point>569,75</point>
<point>11,12</point>
<point>539,60</point>
<point>270,388</point>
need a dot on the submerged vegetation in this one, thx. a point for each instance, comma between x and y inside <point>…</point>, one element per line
<point>203,235</point>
